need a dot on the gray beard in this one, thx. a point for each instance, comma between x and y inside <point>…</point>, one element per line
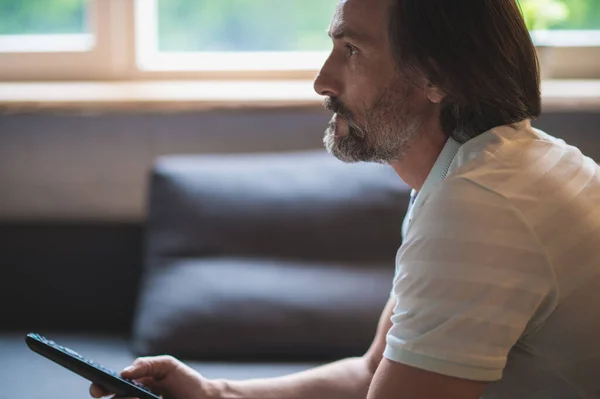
<point>389,129</point>
<point>384,143</point>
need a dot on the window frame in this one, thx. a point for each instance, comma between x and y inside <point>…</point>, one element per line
<point>120,50</point>
<point>153,64</point>
<point>106,57</point>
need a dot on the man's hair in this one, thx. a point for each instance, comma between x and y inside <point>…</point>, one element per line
<point>478,52</point>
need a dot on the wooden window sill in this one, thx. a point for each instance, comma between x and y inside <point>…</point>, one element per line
<point>183,96</point>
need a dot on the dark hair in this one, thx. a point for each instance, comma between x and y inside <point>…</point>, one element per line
<point>478,52</point>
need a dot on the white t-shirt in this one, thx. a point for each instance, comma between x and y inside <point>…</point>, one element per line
<point>498,277</point>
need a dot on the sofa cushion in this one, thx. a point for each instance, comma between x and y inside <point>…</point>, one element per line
<point>307,206</point>
<point>26,374</point>
<point>267,256</point>
<point>243,308</point>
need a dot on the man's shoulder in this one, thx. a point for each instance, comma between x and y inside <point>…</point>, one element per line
<point>509,162</point>
<point>464,197</point>
<point>525,178</point>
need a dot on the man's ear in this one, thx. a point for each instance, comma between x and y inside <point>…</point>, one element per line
<point>435,94</point>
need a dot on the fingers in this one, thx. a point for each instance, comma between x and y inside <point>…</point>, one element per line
<point>155,367</point>
<point>145,370</point>
<point>148,382</point>
<point>98,392</point>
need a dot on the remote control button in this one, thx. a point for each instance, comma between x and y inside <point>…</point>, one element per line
<point>72,352</point>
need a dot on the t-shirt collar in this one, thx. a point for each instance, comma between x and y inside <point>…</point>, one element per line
<point>438,171</point>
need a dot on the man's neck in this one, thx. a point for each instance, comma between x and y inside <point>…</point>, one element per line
<point>419,160</point>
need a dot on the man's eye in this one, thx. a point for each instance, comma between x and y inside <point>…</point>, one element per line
<point>351,49</point>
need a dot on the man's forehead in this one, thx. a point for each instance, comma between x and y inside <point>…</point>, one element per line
<point>363,18</point>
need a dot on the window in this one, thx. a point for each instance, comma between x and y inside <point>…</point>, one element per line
<point>563,23</point>
<point>57,39</point>
<point>239,25</point>
<point>230,39</point>
<point>38,25</point>
<point>39,17</point>
<point>567,32</point>
<point>231,36</point>
<point>561,14</point>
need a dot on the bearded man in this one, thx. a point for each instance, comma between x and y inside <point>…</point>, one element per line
<point>495,294</point>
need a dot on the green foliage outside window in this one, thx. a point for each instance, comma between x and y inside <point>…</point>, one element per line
<point>42,16</point>
<point>252,25</point>
<point>244,25</point>
<point>561,14</point>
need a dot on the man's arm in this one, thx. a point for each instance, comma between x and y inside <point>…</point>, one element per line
<point>346,379</point>
<point>473,276</point>
<point>397,381</point>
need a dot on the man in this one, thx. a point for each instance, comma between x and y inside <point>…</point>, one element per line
<point>495,294</point>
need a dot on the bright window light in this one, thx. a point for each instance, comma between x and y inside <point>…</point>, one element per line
<point>45,43</point>
<point>231,39</point>
<point>233,34</point>
<point>563,23</point>
<point>244,26</point>
<point>44,26</point>
<point>561,15</point>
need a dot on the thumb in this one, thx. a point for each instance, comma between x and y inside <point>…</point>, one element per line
<point>154,367</point>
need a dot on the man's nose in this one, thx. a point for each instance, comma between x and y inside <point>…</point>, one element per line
<point>326,84</point>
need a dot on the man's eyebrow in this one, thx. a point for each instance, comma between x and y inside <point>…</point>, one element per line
<point>342,32</point>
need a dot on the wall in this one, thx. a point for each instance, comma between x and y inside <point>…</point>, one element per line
<point>94,167</point>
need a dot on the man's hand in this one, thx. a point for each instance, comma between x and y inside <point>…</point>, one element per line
<point>165,375</point>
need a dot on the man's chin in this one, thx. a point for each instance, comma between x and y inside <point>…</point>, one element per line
<point>340,147</point>
<point>351,150</point>
<point>342,156</point>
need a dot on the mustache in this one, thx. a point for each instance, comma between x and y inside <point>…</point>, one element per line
<point>334,104</point>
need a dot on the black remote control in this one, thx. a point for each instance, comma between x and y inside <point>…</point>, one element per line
<point>88,369</point>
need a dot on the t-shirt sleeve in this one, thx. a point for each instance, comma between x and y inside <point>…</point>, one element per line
<point>471,279</point>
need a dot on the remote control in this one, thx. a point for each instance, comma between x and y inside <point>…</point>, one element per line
<point>108,379</point>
